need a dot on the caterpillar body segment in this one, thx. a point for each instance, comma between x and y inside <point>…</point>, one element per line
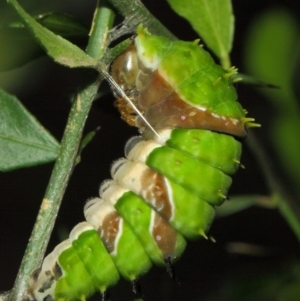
<point>183,170</point>
<point>76,269</point>
<point>122,244</point>
<point>158,237</point>
<point>165,189</point>
<point>203,145</point>
<point>185,211</point>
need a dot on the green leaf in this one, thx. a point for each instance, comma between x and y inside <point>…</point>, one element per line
<point>24,141</point>
<point>19,47</point>
<point>59,23</point>
<point>213,20</point>
<point>61,50</point>
<point>270,53</point>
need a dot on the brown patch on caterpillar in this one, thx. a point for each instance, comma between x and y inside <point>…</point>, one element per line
<point>159,103</point>
<point>133,77</point>
<point>164,235</point>
<point>154,190</point>
<point>171,111</point>
<point>109,230</point>
<point>153,90</point>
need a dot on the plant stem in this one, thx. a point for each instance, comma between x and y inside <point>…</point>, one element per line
<point>135,13</point>
<point>102,23</point>
<point>225,61</point>
<point>65,161</point>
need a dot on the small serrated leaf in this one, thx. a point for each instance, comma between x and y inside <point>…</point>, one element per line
<point>18,46</point>
<point>61,50</point>
<point>213,20</point>
<point>59,23</point>
<point>24,141</point>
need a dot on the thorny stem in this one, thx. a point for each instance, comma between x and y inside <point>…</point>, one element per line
<point>65,161</point>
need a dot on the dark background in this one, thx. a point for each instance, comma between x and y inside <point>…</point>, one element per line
<point>45,91</point>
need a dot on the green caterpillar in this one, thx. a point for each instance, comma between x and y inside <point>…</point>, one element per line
<point>165,191</point>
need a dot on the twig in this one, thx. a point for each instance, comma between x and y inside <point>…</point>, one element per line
<point>65,161</point>
<point>135,13</point>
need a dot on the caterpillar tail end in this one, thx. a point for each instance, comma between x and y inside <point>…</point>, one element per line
<point>248,122</point>
<point>202,233</point>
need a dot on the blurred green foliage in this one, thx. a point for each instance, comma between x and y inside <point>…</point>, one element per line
<point>271,53</point>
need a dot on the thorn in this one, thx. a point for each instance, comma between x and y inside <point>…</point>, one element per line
<point>231,71</point>
<point>216,82</point>
<point>249,124</point>
<point>253,125</point>
<point>237,80</point>
<point>196,42</point>
<point>236,161</point>
<point>202,233</point>
<point>247,119</point>
<point>212,239</point>
<point>221,195</point>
